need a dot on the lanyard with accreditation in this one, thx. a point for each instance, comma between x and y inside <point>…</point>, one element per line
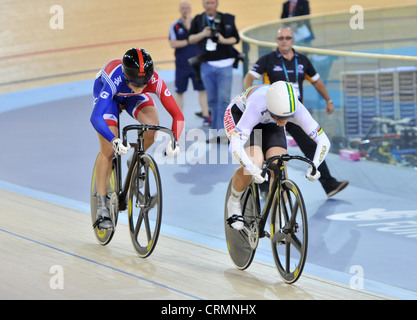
<point>295,85</point>
<point>210,44</point>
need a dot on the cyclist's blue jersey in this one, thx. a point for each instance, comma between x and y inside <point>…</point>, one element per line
<point>110,90</point>
<point>252,103</point>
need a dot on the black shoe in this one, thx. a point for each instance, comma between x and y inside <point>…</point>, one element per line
<point>200,114</point>
<point>337,187</point>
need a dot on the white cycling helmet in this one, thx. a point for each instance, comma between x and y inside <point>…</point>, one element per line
<point>281,99</point>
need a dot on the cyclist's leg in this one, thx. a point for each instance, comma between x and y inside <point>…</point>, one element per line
<point>274,143</point>
<point>275,151</point>
<point>241,180</point>
<point>143,109</point>
<point>104,162</point>
<point>103,172</point>
<point>104,159</point>
<point>149,115</point>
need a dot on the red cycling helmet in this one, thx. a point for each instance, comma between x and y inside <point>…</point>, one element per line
<point>137,66</point>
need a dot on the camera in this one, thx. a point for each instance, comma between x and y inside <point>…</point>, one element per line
<point>215,30</point>
<point>214,34</point>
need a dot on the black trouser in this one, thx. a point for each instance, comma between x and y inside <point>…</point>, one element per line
<point>308,147</point>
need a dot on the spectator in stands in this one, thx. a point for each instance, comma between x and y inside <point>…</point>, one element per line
<point>302,29</point>
<point>294,8</point>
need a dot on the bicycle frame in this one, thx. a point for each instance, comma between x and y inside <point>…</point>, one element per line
<point>279,175</point>
<point>139,149</point>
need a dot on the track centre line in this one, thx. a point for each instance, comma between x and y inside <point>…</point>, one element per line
<point>100,264</point>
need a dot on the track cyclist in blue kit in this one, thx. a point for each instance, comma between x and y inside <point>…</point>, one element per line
<point>255,125</point>
<point>126,84</point>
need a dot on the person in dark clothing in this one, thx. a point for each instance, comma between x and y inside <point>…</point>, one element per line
<point>294,8</point>
<point>178,39</point>
<point>303,29</point>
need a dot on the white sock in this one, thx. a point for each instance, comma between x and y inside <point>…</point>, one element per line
<point>235,195</point>
<point>234,208</point>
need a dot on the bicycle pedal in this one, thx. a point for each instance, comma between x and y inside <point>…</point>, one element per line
<point>96,224</point>
<point>235,218</point>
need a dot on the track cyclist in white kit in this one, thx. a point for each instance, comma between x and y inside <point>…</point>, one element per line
<point>255,124</point>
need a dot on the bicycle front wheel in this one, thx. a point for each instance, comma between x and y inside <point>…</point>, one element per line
<point>289,231</point>
<point>145,205</point>
<point>242,244</point>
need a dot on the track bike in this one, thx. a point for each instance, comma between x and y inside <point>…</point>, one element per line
<point>288,230</point>
<point>141,194</point>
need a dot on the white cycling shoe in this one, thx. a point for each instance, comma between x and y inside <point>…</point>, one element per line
<point>234,211</point>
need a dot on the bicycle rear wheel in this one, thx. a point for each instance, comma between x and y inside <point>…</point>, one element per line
<point>104,236</point>
<point>145,205</point>
<point>241,244</point>
<point>289,232</point>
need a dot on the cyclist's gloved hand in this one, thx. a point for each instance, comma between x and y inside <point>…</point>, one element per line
<point>119,147</point>
<point>172,152</point>
<point>310,177</point>
<point>256,173</point>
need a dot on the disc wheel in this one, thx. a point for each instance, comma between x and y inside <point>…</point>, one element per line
<point>145,206</point>
<point>242,244</point>
<point>289,232</point>
<point>104,236</point>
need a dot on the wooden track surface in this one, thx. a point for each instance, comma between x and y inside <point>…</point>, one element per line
<point>41,240</point>
<point>33,54</point>
<point>36,235</point>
